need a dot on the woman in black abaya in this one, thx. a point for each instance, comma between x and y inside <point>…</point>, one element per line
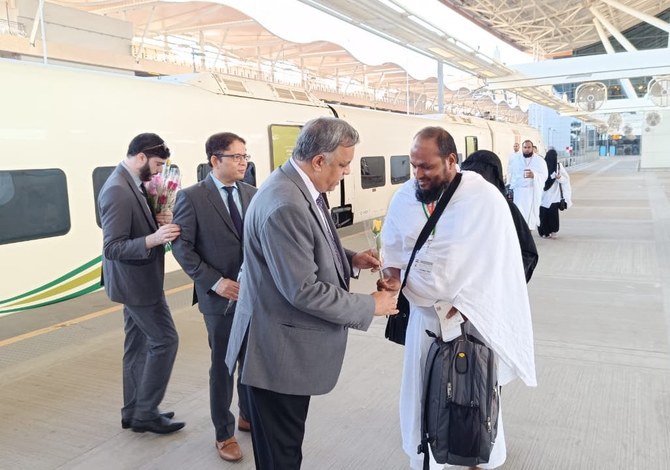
<point>557,182</point>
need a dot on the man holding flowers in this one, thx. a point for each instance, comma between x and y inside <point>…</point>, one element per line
<point>133,273</point>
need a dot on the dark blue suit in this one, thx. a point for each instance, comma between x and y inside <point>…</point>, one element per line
<point>208,249</point>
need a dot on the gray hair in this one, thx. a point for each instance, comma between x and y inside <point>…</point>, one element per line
<point>322,136</point>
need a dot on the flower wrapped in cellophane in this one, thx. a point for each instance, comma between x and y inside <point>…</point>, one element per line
<point>374,236</point>
<point>162,189</point>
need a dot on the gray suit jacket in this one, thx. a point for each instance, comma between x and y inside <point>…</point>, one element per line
<point>132,274</point>
<point>293,301</point>
<point>209,247</point>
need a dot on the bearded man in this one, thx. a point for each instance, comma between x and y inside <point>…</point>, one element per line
<point>470,265</point>
<point>526,174</point>
<point>133,261</point>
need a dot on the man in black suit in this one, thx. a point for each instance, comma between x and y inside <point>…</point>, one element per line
<point>209,250</point>
<point>133,269</point>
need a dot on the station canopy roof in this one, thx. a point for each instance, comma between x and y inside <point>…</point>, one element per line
<point>393,47</point>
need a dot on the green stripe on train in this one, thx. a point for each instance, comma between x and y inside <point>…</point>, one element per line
<point>82,279</point>
<point>84,291</point>
<point>66,277</point>
<point>55,282</point>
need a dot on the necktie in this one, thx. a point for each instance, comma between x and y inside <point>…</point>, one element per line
<point>331,236</point>
<point>143,189</point>
<point>232,208</point>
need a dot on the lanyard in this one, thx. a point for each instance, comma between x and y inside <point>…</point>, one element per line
<point>428,210</point>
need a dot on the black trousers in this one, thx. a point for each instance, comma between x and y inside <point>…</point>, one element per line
<point>277,428</point>
<point>221,381</point>
<point>548,220</point>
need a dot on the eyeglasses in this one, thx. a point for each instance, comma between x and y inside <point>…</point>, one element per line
<point>237,157</point>
<point>160,150</point>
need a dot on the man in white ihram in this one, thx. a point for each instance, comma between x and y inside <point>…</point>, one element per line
<point>526,174</point>
<point>516,151</point>
<point>469,266</point>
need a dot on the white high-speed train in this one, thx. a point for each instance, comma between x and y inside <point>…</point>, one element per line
<point>62,131</point>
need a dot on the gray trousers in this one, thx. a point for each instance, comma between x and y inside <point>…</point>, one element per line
<point>221,381</point>
<point>149,352</point>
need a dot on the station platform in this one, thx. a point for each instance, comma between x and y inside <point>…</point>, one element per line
<point>600,298</point>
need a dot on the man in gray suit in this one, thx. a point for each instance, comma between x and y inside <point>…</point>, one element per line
<point>209,250</point>
<point>294,297</point>
<point>133,271</point>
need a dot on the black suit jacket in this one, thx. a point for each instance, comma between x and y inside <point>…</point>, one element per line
<point>209,247</point>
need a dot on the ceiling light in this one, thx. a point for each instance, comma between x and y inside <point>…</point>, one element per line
<point>442,52</point>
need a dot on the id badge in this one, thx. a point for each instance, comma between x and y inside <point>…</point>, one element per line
<point>423,262</point>
<point>423,266</point>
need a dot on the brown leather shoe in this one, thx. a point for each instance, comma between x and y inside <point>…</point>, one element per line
<point>243,424</point>
<point>229,450</point>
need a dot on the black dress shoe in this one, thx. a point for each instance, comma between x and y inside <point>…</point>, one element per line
<point>160,425</point>
<point>125,423</point>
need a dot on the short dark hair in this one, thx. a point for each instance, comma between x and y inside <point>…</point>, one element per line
<point>149,144</point>
<point>219,142</point>
<point>529,141</point>
<point>323,135</point>
<point>444,140</point>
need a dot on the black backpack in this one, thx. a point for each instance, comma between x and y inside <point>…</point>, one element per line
<point>459,414</point>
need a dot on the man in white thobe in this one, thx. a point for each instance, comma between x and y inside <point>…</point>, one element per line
<point>526,174</point>
<point>516,151</point>
<point>470,264</point>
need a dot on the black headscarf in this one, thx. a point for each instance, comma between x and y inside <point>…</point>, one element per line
<point>551,159</point>
<point>488,165</point>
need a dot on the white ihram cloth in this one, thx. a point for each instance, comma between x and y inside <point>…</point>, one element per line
<point>528,191</point>
<point>553,194</point>
<point>476,267</point>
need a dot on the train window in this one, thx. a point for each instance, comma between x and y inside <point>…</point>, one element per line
<point>282,141</point>
<point>471,145</point>
<point>36,202</point>
<point>373,172</point>
<point>400,171</point>
<point>100,175</point>
<point>202,171</point>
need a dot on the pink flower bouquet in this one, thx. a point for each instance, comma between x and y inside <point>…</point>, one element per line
<point>162,189</point>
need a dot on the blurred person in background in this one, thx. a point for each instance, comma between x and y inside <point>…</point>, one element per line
<point>556,189</point>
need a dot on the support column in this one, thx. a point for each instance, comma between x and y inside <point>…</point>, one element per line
<point>627,86</point>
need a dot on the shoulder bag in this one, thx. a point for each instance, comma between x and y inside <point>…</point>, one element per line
<point>562,205</point>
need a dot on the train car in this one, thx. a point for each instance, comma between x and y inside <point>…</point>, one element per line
<point>63,130</point>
